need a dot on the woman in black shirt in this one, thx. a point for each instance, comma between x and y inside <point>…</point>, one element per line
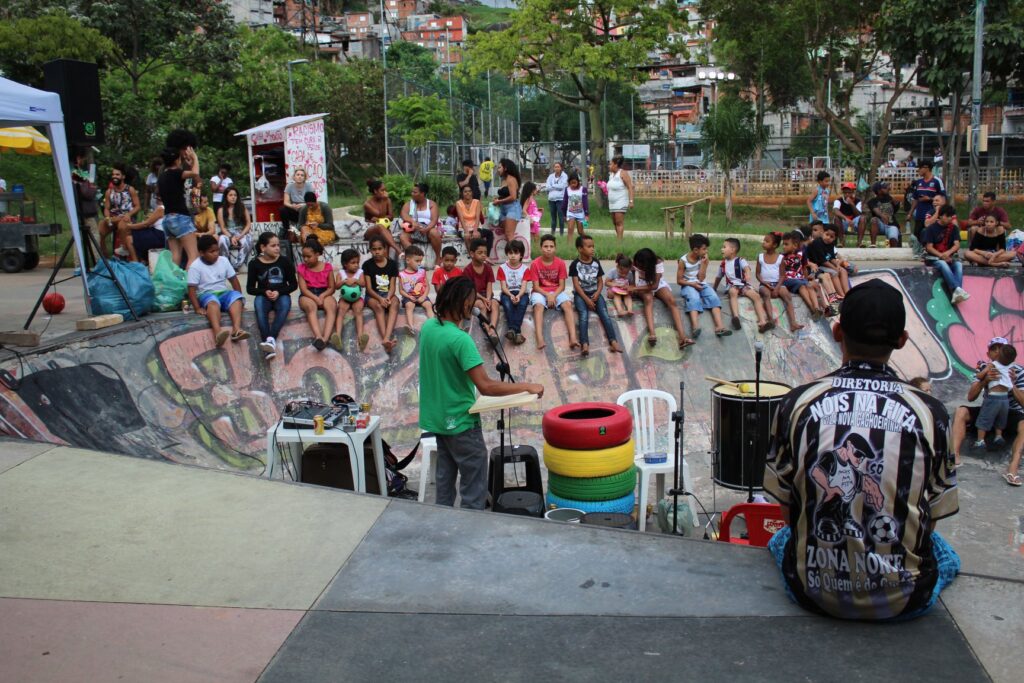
<point>988,245</point>
<point>180,164</point>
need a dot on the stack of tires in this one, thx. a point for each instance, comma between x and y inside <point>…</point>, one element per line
<point>588,450</point>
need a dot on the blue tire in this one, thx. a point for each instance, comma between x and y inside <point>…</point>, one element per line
<point>624,505</point>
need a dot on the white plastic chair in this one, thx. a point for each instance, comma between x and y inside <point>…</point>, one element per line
<point>428,463</point>
<point>643,404</point>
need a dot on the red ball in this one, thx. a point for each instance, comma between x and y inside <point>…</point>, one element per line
<point>53,303</point>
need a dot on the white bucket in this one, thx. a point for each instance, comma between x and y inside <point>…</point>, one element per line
<point>570,515</point>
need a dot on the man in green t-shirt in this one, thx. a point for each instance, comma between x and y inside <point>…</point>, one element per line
<point>451,370</point>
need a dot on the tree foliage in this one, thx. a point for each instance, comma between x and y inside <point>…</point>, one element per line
<point>729,136</point>
<point>573,51</point>
<point>27,43</point>
<point>420,119</point>
<point>414,63</point>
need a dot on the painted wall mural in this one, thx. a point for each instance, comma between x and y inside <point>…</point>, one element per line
<point>159,389</point>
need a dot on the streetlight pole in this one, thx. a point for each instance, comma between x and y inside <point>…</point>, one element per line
<point>291,93</point>
<point>979,29</point>
<point>384,79</point>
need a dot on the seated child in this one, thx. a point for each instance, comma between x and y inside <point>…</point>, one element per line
<point>619,282</point>
<point>380,275</point>
<point>450,223</point>
<point>649,273</point>
<point>271,280</point>
<point>447,270</point>
<point>482,275</point>
<point>316,291</point>
<point>547,290</point>
<point>212,287</point>
<point>769,274</point>
<point>995,405</point>
<point>513,275</point>
<point>697,294</point>
<point>988,245</point>
<point>413,288</point>
<point>794,274</point>
<point>587,282</point>
<point>736,272</point>
<point>822,253</point>
<point>350,283</point>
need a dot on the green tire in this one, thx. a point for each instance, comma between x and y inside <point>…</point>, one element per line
<point>593,488</point>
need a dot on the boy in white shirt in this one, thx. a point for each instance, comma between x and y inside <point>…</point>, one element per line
<point>212,287</point>
<point>736,272</point>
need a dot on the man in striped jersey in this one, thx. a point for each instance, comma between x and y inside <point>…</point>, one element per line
<point>860,464</point>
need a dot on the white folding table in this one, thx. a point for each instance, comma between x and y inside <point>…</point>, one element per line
<point>289,437</point>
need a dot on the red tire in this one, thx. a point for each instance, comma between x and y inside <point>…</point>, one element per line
<point>588,426</point>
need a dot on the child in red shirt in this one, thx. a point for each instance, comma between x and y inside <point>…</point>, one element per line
<point>482,275</point>
<point>548,274</point>
<point>448,269</point>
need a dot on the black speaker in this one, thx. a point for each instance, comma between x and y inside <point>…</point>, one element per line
<point>78,84</point>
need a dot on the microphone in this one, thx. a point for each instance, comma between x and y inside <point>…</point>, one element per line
<point>484,322</point>
<point>758,350</point>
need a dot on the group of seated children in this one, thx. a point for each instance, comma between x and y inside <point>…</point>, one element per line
<point>808,267</point>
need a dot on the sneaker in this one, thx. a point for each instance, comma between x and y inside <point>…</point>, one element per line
<point>980,443</point>
<point>998,441</point>
<point>319,344</point>
<point>957,296</point>
<point>268,346</point>
<point>336,341</point>
<point>736,323</point>
<point>964,296</point>
<point>270,355</point>
<point>364,339</point>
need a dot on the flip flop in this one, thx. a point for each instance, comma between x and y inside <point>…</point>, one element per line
<point>683,343</point>
<point>240,335</point>
<point>723,332</point>
<point>764,328</point>
<point>696,334</point>
<point>652,341</point>
<point>364,339</point>
<point>221,337</point>
<point>1012,479</point>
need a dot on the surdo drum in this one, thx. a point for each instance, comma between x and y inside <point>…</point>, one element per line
<point>741,433</point>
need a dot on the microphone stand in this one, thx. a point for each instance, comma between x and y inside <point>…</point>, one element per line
<point>678,483</point>
<point>505,373</point>
<point>759,347</point>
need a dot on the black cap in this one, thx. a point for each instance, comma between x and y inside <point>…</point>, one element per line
<point>873,313</point>
<point>879,186</point>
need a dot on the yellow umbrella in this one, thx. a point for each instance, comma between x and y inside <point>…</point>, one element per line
<point>24,140</point>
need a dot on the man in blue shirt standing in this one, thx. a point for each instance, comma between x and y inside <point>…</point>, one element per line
<point>923,191</point>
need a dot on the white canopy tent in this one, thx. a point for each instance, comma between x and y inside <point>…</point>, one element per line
<point>21,105</point>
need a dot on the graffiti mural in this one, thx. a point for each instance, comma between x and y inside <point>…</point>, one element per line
<point>159,389</point>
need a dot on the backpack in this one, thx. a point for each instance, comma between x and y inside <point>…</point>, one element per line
<point>736,267</point>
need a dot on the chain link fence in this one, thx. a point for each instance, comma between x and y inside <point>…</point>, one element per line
<point>479,132</point>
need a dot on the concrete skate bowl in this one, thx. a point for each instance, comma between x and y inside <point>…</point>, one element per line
<point>159,389</point>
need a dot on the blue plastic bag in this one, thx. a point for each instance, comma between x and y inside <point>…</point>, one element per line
<point>106,298</point>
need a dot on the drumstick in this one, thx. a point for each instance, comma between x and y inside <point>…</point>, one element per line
<point>721,381</point>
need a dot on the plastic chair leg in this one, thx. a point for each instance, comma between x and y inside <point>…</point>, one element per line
<point>641,511</point>
<point>428,466</point>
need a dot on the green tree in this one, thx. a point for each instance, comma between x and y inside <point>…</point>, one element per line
<point>414,63</point>
<point>192,35</point>
<point>772,74</point>
<point>729,137</point>
<point>420,119</point>
<point>27,43</point>
<point>573,51</point>
<point>947,63</point>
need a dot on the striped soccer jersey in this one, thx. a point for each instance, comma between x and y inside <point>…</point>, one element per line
<point>861,459</point>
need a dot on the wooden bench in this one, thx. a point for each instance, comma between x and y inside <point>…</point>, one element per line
<point>669,214</point>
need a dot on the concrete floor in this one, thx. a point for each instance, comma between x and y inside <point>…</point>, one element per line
<point>118,568</point>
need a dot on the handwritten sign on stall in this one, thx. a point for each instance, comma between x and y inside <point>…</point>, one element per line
<point>304,146</point>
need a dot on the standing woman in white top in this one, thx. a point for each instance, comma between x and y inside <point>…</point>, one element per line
<point>769,276</point>
<point>620,194</point>
<point>556,183</point>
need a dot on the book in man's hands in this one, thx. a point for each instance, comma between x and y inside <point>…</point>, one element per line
<point>486,404</point>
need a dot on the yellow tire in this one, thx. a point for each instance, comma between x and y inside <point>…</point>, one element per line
<point>585,464</point>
